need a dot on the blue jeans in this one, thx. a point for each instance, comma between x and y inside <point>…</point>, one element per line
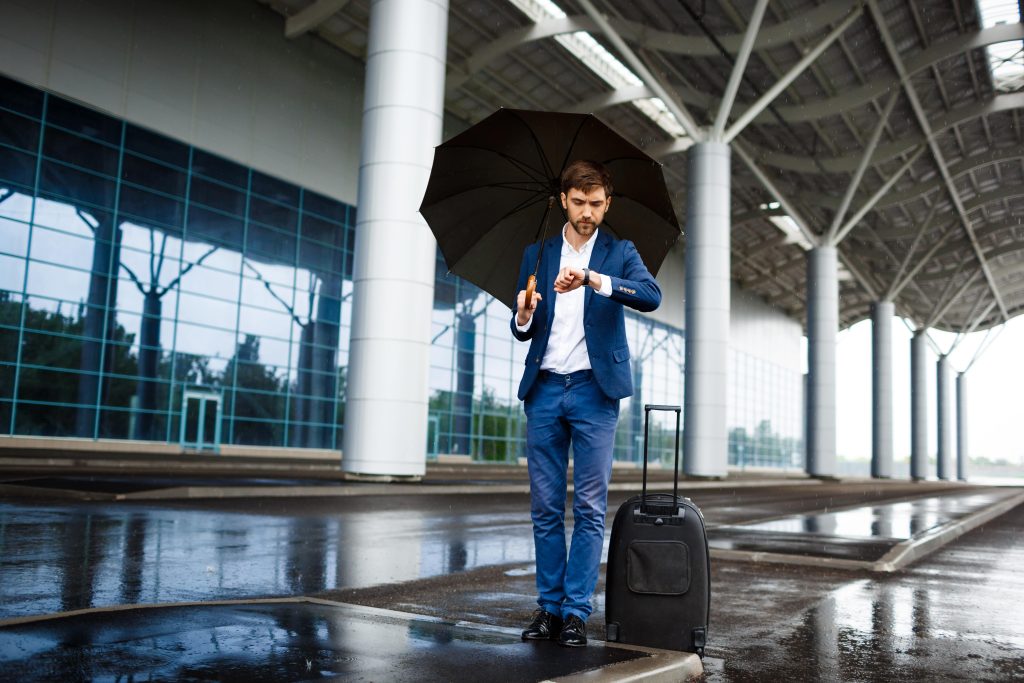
<point>561,409</point>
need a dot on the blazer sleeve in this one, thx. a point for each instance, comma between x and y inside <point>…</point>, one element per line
<point>524,274</point>
<point>636,288</point>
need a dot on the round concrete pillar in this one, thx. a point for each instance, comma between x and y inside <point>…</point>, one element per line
<point>944,405</point>
<point>961,426</point>
<point>389,359</point>
<point>822,328</point>
<point>705,437</point>
<point>881,389</point>
<point>918,407</point>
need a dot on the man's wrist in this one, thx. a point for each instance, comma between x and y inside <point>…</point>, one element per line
<point>593,279</point>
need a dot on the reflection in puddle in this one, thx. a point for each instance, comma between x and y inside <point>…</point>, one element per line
<point>62,558</point>
<point>899,521</point>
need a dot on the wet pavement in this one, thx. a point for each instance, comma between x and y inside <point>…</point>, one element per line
<point>284,642</point>
<point>469,557</point>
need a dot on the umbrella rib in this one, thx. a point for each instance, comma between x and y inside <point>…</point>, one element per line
<point>536,188</point>
<point>537,174</point>
<point>575,137</point>
<point>536,142</point>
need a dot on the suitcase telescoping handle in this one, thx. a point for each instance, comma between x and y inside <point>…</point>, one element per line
<point>647,431</point>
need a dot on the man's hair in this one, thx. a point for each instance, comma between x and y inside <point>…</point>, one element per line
<point>585,175</point>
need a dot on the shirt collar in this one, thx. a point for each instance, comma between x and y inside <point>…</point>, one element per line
<point>568,250</point>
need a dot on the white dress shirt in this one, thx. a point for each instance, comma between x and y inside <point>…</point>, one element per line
<point>567,344</point>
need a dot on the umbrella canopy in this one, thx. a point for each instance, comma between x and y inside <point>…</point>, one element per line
<point>489,189</point>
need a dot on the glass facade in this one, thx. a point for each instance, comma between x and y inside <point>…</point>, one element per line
<point>143,280</point>
<point>151,290</point>
<point>765,413</point>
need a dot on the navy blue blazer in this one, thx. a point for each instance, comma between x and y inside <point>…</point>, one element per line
<point>604,322</point>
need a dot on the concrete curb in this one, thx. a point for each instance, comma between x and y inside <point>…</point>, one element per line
<point>658,666</point>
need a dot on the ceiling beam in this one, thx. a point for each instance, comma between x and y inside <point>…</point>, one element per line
<point>733,86</point>
<point>762,103</point>
<point>865,160</point>
<point>677,108</point>
<point>922,119</point>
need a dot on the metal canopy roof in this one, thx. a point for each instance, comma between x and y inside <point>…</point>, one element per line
<point>936,221</point>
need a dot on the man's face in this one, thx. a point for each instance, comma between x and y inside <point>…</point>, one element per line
<point>585,209</point>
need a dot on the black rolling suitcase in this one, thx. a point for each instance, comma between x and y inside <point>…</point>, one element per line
<point>658,591</point>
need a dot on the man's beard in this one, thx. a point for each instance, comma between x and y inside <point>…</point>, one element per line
<point>584,229</point>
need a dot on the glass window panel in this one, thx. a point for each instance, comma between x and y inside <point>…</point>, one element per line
<point>152,175</point>
<point>17,168</point>
<point>323,206</point>
<point>277,275</point>
<point>139,245</point>
<point>80,151</point>
<point>19,131</point>
<point>204,342</point>
<point>151,208</point>
<point>272,354</point>
<point>273,215</point>
<point>266,324</point>
<point>20,97</point>
<point>13,237</point>
<point>321,232</point>
<point>207,311</point>
<point>43,419</point>
<point>16,205</point>
<point>79,187</point>
<point>57,282</point>
<point>206,280</point>
<point>155,146</point>
<point>257,432</point>
<point>84,121</point>
<point>63,216</point>
<point>213,166</point>
<point>321,259</point>
<point>12,273</point>
<point>275,189</point>
<point>218,196</point>
<point>275,246</point>
<point>215,228</point>
<point>52,348</point>
<point>58,247</point>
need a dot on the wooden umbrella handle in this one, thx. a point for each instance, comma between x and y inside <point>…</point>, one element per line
<point>531,287</point>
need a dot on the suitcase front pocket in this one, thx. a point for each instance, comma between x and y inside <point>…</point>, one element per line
<point>658,567</point>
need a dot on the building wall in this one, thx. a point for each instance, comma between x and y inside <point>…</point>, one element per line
<point>218,75</point>
<point>275,124</point>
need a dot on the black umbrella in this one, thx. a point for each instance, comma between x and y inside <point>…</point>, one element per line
<point>493,186</point>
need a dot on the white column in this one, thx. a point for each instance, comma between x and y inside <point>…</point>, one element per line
<point>389,356</point>
<point>705,437</point>
<point>944,457</point>
<point>881,389</point>
<point>918,407</point>
<point>961,427</point>
<point>822,328</point>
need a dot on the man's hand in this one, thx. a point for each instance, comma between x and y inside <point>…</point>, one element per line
<point>571,278</point>
<point>524,313</point>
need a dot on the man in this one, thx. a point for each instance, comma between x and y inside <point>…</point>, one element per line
<point>577,369</point>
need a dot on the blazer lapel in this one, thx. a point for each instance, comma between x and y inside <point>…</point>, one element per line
<point>597,257</point>
<point>552,259</point>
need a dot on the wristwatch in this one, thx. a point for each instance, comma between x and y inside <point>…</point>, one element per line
<point>586,276</point>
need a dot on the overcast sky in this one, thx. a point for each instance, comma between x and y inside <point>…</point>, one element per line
<point>995,383</point>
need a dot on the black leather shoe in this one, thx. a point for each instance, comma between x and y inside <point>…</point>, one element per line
<point>574,632</point>
<point>545,626</point>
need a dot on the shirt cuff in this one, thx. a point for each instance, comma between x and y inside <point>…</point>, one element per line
<point>606,285</point>
<point>523,328</point>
